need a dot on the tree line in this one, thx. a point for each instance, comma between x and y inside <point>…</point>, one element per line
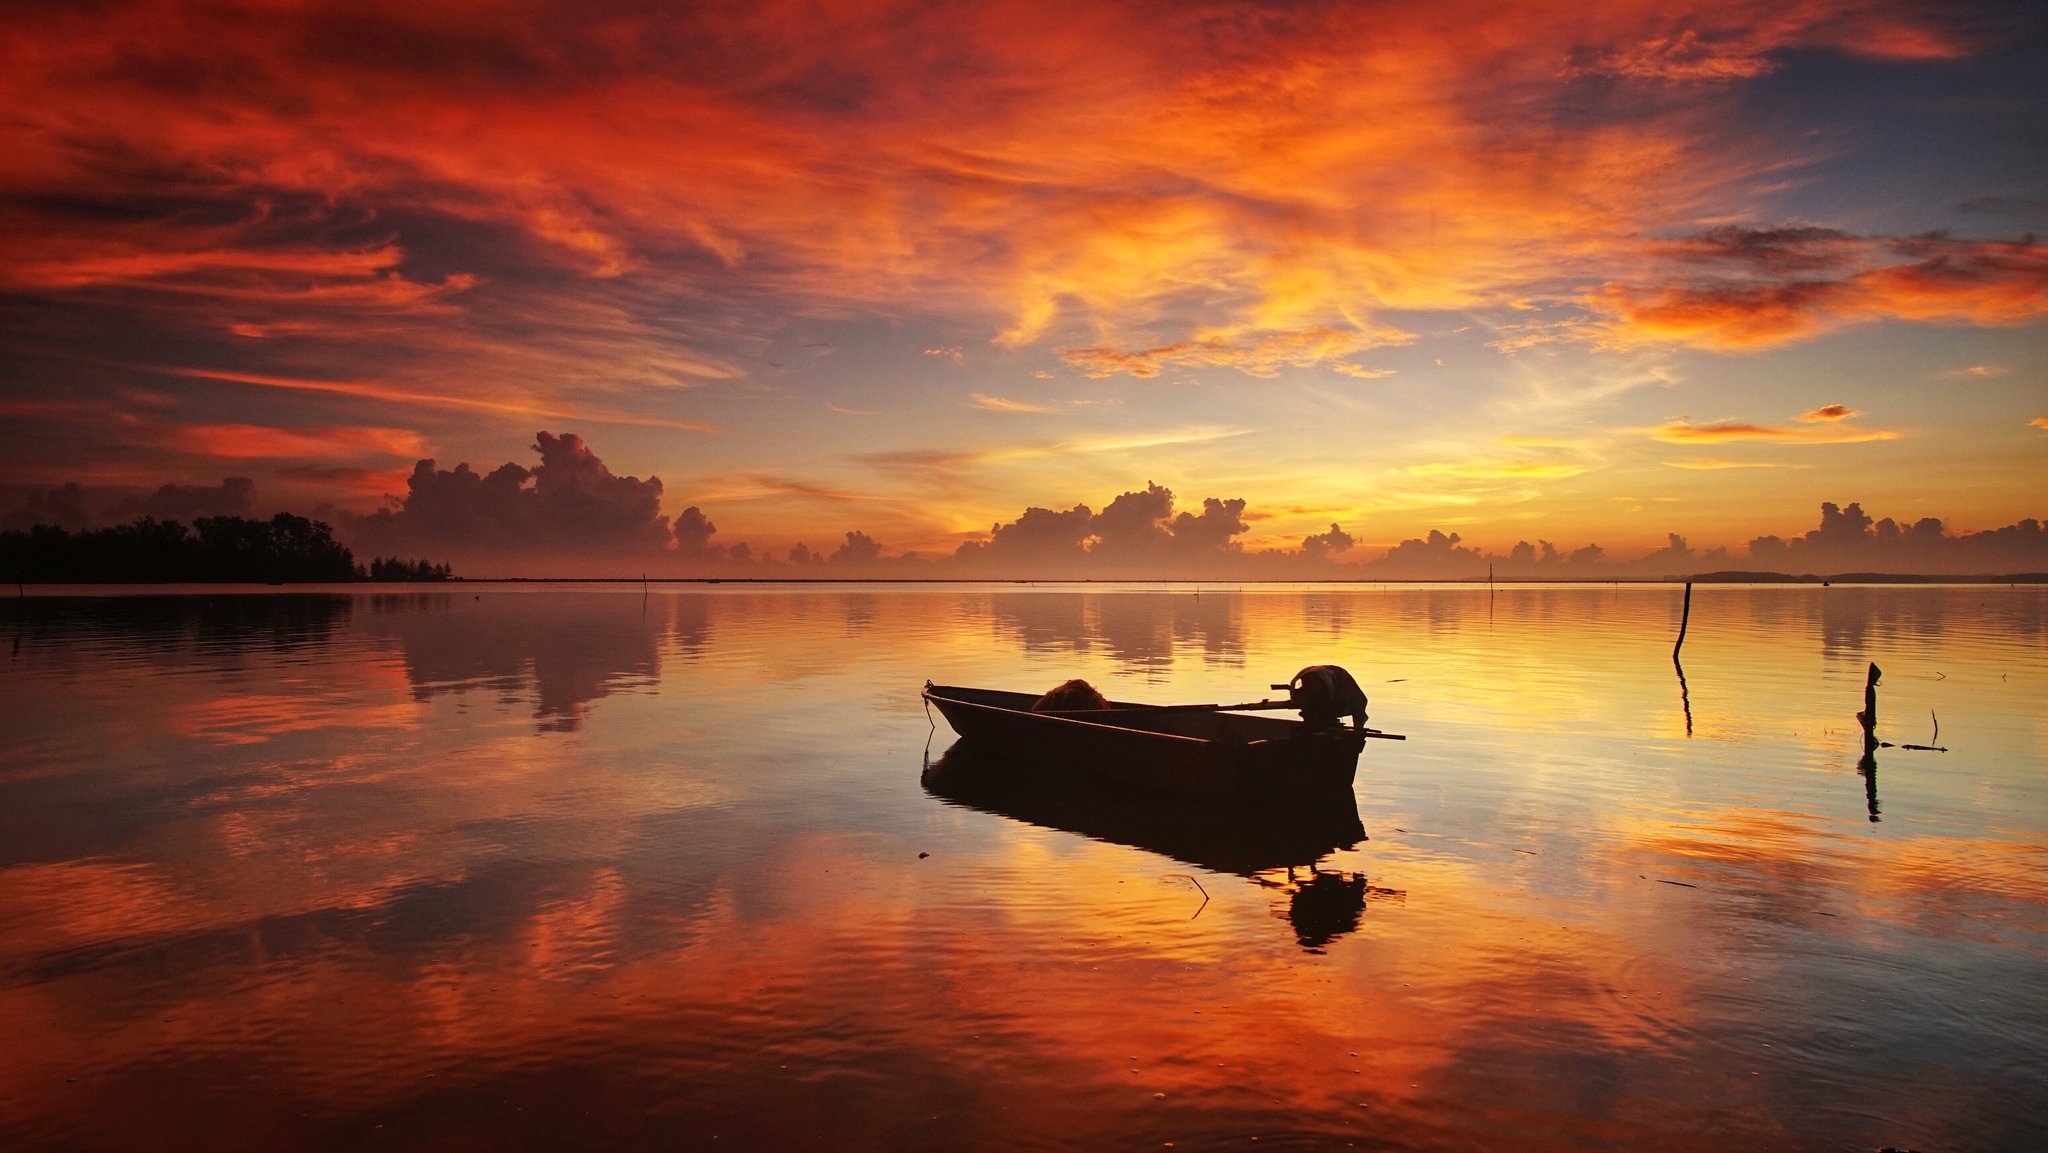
<point>222,549</point>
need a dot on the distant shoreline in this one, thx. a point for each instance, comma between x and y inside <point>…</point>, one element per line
<point>1722,578</point>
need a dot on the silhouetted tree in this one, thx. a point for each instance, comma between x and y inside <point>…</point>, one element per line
<point>216,548</point>
<point>395,569</point>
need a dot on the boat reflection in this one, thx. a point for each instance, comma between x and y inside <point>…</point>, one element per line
<point>1276,846</point>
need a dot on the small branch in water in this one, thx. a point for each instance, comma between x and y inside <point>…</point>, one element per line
<point>1197,884</point>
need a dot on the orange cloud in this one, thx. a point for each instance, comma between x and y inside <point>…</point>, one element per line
<point>573,219</point>
<point>1731,430</point>
<point>2040,422</point>
<point>1040,189</point>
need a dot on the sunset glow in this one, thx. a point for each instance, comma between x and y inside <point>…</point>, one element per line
<point>881,278</point>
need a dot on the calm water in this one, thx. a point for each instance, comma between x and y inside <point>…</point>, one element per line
<point>587,867</point>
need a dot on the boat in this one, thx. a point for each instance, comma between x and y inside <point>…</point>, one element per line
<point>1208,752</point>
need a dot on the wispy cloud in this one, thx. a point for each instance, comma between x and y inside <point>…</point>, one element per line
<point>1261,354</point>
<point>391,394</point>
<point>1512,468</point>
<point>258,442</point>
<point>982,400</point>
<point>1360,371</point>
<point>1722,432</point>
<point>1714,464</point>
<point>1976,372</point>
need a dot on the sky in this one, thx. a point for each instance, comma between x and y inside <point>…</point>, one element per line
<point>1143,289</point>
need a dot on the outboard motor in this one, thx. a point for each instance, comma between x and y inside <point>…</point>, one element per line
<point>1325,693</point>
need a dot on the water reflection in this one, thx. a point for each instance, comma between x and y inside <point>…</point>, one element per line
<point>327,873</point>
<point>175,631</point>
<point>1141,631</point>
<point>1323,905</point>
<point>1254,841</point>
<point>567,649</point>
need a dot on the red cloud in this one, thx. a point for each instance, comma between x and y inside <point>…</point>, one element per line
<point>1281,174</point>
<point>1804,286</point>
<point>248,441</point>
<point>1828,412</point>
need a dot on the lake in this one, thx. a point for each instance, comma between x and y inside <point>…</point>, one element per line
<point>486,866</point>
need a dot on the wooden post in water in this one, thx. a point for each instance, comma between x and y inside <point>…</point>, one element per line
<point>1869,714</point>
<point>1683,618</point>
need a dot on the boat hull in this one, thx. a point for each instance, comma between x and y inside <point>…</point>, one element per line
<point>1207,755</point>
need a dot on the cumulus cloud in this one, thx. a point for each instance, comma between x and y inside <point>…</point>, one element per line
<point>858,549</point>
<point>693,533</point>
<point>234,496</point>
<point>1437,556</point>
<point>567,509</point>
<point>1039,540</point>
<point>65,506</point>
<point>1139,533</point>
<point>74,506</point>
<point>1849,540</point>
<point>1327,545</point>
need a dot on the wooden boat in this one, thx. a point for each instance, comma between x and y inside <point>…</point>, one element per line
<point>1213,752</point>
